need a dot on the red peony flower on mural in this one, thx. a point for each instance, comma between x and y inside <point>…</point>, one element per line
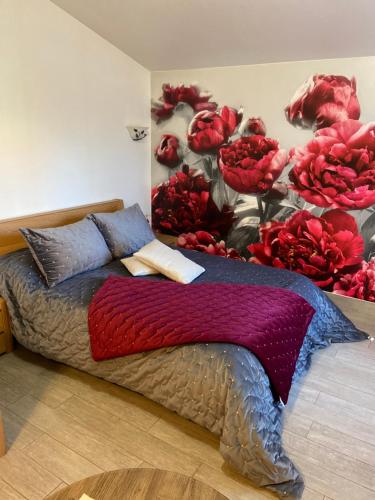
<point>317,247</point>
<point>205,242</point>
<point>253,126</point>
<point>323,100</point>
<point>168,152</point>
<point>360,285</point>
<point>184,204</point>
<point>189,94</point>
<point>252,164</point>
<point>208,130</point>
<point>337,168</point>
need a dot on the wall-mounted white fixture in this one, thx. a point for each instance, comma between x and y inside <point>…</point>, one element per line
<point>137,133</point>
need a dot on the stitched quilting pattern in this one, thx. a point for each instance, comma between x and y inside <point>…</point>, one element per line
<point>128,316</point>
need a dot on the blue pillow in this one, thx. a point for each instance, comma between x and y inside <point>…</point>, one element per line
<point>125,231</point>
<point>62,252</point>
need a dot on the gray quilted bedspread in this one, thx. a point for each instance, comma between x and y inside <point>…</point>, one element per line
<point>220,386</point>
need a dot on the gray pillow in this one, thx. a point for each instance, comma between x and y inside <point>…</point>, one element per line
<point>63,252</point>
<point>125,231</point>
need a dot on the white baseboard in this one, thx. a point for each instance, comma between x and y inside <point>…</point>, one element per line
<point>361,312</point>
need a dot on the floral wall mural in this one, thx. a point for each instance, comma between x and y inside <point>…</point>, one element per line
<point>232,189</point>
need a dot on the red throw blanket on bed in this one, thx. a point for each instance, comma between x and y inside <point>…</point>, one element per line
<point>132,315</point>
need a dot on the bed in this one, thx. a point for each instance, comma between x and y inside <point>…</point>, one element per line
<point>222,387</point>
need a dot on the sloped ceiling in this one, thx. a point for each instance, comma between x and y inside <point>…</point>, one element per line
<point>173,34</point>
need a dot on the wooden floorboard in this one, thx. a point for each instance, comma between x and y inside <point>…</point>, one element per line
<point>62,425</point>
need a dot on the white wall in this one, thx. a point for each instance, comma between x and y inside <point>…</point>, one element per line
<point>66,96</point>
<point>263,90</point>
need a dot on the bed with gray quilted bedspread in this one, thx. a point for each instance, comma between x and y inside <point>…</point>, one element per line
<point>219,386</point>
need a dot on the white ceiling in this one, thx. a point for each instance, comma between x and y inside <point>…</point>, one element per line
<point>174,34</point>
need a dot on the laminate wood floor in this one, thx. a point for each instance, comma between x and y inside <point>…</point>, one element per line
<point>63,425</point>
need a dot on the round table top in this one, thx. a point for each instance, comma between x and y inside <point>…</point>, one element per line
<point>139,484</point>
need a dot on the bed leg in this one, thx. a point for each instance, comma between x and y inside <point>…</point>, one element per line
<point>5,327</point>
<point>9,344</point>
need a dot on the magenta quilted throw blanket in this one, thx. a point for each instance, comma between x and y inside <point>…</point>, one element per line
<point>132,315</point>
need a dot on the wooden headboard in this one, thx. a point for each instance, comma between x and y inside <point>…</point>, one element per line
<point>11,239</point>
